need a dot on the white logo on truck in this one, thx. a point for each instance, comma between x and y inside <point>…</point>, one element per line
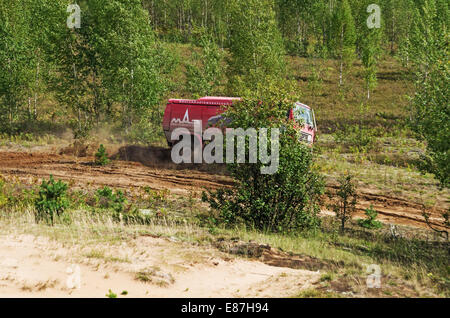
<point>185,119</point>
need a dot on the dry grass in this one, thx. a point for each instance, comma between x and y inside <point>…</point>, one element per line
<point>335,106</point>
<point>402,263</point>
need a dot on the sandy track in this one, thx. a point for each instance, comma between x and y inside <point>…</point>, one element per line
<point>39,267</point>
<point>156,173</point>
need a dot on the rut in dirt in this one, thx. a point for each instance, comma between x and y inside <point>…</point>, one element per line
<point>136,166</point>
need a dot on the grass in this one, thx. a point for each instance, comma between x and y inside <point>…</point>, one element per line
<point>336,107</point>
<point>390,168</point>
<point>315,293</point>
<point>155,276</point>
<point>411,261</point>
<point>100,254</point>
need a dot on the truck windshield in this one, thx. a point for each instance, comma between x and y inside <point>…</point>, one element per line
<point>303,113</point>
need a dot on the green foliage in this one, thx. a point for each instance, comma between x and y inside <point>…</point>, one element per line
<point>116,68</point>
<point>205,74</point>
<point>96,68</point>
<point>284,201</point>
<point>110,294</point>
<point>3,197</point>
<point>358,137</point>
<point>52,200</point>
<point>343,37</point>
<point>344,199</point>
<point>430,106</point>
<point>116,202</point>
<point>369,41</point>
<point>370,222</point>
<point>109,199</point>
<point>17,60</point>
<point>101,156</point>
<point>256,46</point>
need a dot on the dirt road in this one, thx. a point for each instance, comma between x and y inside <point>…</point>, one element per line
<point>138,167</point>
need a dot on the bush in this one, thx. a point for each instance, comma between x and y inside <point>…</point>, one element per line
<point>3,197</point>
<point>344,199</point>
<point>370,222</point>
<point>281,202</point>
<point>52,200</point>
<point>101,157</point>
<point>107,199</point>
<point>359,138</point>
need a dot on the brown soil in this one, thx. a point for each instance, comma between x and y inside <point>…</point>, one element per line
<point>272,256</point>
<point>138,166</point>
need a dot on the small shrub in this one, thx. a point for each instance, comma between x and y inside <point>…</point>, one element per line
<point>52,200</point>
<point>108,199</point>
<point>101,157</point>
<point>359,138</point>
<point>344,204</point>
<point>110,294</point>
<point>3,197</point>
<point>156,197</point>
<point>328,277</point>
<point>370,222</point>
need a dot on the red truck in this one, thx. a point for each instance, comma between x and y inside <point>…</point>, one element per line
<point>181,113</point>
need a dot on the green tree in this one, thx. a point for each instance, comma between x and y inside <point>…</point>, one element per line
<point>344,199</point>
<point>398,17</point>
<point>113,59</point>
<point>296,23</point>
<point>430,105</point>
<point>256,46</point>
<point>343,37</point>
<point>281,202</point>
<point>369,41</point>
<point>16,63</point>
<point>135,66</point>
<point>75,77</point>
<point>101,156</point>
<point>205,74</point>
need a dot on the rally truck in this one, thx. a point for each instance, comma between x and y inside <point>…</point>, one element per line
<point>181,113</point>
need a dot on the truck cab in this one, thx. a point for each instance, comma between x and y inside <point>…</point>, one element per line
<point>306,119</point>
